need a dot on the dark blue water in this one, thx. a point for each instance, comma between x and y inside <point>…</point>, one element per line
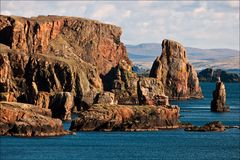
<point>173,144</point>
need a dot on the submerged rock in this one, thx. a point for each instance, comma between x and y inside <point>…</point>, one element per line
<point>178,76</point>
<point>212,126</point>
<point>126,118</point>
<point>19,119</point>
<point>218,104</point>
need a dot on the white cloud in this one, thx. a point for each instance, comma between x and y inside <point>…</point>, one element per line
<point>104,11</point>
<point>127,13</point>
<point>199,10</point>
<point>233,3</point>
<point>206,24</point>
<point>6,12</point>
<point>145,3</point>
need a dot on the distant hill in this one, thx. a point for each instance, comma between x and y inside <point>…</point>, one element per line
<point>227,59</point>
<point>211,75</point>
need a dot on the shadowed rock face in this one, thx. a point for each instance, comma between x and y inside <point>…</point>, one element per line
<point>126,118</point>
<point>179,78</point>
<point>18,119</point>
<point>130,89</point>
<point>61,105</point>
<point>218,103</point>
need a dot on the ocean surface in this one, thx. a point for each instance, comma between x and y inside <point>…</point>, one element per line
<point>166,144</point>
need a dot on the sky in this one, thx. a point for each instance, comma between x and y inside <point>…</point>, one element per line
<point>201,24</point>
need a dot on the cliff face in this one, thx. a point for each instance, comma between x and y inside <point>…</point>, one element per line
<point>177,75</point>
<point>47,55</point>
<point>92,41</point>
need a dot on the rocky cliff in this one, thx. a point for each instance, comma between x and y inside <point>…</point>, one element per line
<point>178,76</point>
<point>42,57</point>
<point>94,42</point>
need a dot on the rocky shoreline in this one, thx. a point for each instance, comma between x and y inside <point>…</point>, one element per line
<point>53,66</point>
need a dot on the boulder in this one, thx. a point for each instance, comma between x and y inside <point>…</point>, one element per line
<point>212,126</point>
<point>126,118</point>
<point>218,104</point>
<point>151,92</point>
<point>178,76</point>
<point>61,105</point>
<point>19,119</point>
<point>106,98</point>
<point>88,100</point>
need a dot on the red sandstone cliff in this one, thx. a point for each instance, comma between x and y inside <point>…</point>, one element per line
<point>92,41</point>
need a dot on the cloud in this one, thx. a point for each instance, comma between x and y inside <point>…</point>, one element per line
<point>199,10</point>
<point>6,12</point>
<point>127,13</point>
<point>104,11</point>
<point>205,24</point>
<point>233,3</point>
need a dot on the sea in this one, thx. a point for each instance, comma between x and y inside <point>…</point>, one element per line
<point>157,145</point>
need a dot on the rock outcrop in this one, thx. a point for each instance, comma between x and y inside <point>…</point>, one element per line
<point>212,126</point>
<point>107,98</point>
<point>129,89</point>
<point>151,92</point>
<point>211,75</point>
<point>18,119</point>
<point>126,118</point>
<point>178,76</point>
<point>218,103</point>
<point>125,84</point>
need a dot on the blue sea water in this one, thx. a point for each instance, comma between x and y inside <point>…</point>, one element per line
<point>166,144</point>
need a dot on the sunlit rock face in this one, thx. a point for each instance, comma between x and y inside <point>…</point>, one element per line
<point>178,76</point>
<point>218,104</point>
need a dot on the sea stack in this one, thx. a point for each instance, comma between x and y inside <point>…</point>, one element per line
<point>218,103</point>
<point>178,76</point>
